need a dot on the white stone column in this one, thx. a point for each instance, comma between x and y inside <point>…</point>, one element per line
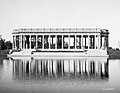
<point>62,42</point>
<point>49,41</point>
<point>81,41</point>
<point>69,42</point>
<point>107,41</point>
<point>98,41</point>
<point>104,42</point>
<point>36,41</point>
<point>56,42</point>
<point>94,41</point>
<point>30,41</point>
<point>42,41</point>
<point>23,41</point>
<point>88,41</point>
<point>75,41</point>
<point>13,46</point>
<point>19,41</point>
<point>20,37</point>
<point>103,38</point>
<point>15,41</point>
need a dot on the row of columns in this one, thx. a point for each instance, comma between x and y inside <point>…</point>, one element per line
<point>94,41</point>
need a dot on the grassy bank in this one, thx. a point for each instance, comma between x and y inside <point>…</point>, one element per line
<point>114,54</point>
<point>3,53</point>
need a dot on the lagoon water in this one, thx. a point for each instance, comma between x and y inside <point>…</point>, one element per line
<point>57,75</point>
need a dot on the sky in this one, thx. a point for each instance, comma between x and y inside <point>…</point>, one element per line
<point>104,14</point>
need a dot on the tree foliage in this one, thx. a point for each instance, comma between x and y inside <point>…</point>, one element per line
<point>5,45</point>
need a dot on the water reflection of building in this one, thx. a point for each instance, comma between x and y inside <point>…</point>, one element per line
<point>57,68</point>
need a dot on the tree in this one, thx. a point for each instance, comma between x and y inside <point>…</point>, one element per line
<point>2,44</point>
<point>5,45</point>
<point>8,45</point>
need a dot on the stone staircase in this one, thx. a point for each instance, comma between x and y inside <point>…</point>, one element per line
<point>97,52</point>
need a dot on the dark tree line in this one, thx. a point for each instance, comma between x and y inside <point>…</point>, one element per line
<point>5,45</point>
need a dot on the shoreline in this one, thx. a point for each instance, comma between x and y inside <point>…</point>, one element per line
<point>3,53</point>
<point>113,54</point>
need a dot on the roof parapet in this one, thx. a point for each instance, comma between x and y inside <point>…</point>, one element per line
<point>95,30</point>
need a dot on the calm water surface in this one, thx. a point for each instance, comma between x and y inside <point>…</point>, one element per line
<point>70,75</point>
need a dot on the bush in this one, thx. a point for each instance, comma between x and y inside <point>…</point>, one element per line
<point>5,45</point>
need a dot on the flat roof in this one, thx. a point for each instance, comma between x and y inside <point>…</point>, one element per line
<point>58,30</point>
